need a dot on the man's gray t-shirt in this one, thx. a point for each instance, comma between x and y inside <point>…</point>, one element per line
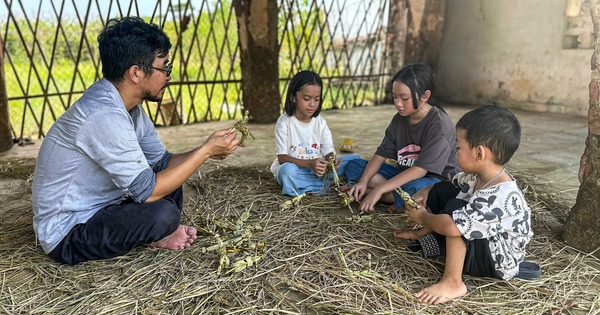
<point>429,144</point>
<point>95,155</point>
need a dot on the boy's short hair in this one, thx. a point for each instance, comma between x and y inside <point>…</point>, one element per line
<point>493,127</point>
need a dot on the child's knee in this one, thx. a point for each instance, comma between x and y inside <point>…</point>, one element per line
<point>350,157</point>
<point>440,195</point>
<point>355,164</point>
<point>354,169</point>
<point>286,171</point>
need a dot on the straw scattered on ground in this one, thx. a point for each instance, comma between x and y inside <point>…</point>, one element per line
<point>310,259</point>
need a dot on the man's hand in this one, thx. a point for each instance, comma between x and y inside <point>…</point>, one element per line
<point>221,144</point>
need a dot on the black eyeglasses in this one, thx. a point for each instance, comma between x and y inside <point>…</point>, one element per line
<point>167,69</point>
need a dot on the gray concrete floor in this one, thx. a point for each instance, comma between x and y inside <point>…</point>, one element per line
<point>551,144</point>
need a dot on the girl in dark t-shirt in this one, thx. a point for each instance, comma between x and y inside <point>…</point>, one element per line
<point>421,139</point>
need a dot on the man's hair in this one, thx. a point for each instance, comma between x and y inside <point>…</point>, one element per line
<point>493,127</point>
<point>130,41</point>
<point>298,82</point>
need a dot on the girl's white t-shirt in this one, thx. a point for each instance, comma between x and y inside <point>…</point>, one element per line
<point>305,141</point>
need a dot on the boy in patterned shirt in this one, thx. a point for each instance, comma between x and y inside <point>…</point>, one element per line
<point>482,214</point>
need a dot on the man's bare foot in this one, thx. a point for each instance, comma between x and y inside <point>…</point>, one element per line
<point>182,238</point>
<point>443,291</point>
<point>392,209</point>
<point>410,234</point>
<point>345,188</point>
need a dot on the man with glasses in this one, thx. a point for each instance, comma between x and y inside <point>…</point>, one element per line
<point>104,182</point>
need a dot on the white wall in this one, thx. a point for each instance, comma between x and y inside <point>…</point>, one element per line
<point>510,53</point>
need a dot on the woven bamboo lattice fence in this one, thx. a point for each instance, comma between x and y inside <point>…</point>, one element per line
<point>51,55</point>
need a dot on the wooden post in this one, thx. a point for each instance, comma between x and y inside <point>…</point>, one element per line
<point>259,47</point>
<point>6,140</point>
<point>414,35</point>
<point>582,228</point>
<point>396,40</point>
<point>424,36</point>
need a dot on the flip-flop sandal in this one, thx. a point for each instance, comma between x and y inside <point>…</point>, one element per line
<point>529,270</point>
<point>428,245</point>
<point>431,247</point>
<point>347,145</point>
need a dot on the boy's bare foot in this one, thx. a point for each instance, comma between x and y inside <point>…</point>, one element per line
<point>410,234</point>
<point>182,238</point>
<point>443,291</point>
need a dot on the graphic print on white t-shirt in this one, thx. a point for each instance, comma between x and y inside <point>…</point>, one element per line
<point>408,155</point>
<point>305,151</point>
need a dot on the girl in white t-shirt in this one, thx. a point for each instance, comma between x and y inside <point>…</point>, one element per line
<point>302,139</point>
